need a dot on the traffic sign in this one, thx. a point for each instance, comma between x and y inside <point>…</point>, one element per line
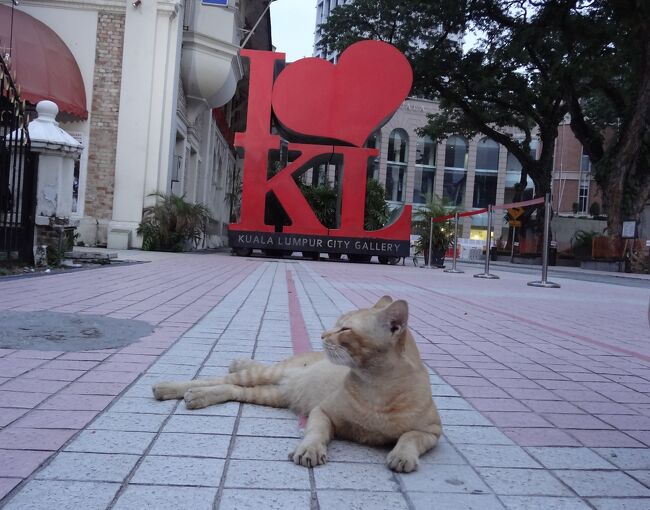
<point>515,212</point>
<point>514,223</point>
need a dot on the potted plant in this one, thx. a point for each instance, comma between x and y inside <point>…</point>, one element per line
<point>442,232</point>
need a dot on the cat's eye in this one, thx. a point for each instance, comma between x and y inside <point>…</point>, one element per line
<point>344,329</point>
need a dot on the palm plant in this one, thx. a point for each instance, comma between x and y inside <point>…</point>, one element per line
<point>171,222</point>
<point>442,232</point>
<point>377,211</point>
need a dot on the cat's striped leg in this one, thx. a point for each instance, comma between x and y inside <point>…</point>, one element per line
<point>312,451</point>
<point>267,395</point>
<point>255,375</point>
<point>404,458</point>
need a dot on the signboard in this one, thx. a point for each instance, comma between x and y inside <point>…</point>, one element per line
<point>319,122</point>
<point>222,3</point>
<point>513,214</point>
<point>514,223</point>
<point>629,230</point>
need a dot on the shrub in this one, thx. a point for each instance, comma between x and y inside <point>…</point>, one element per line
<point>171,222</point>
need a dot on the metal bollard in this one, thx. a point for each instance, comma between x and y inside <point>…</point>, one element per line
<point>486,273</point>
<point>547,229</point>
<point>453,266</point>
<point>430,243</point>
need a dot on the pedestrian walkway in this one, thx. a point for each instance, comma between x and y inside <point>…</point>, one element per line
<point>544,393</point>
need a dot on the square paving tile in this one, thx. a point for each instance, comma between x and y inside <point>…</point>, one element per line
<point>425,501</point>
<point>17,463</point>
<point>438,478</point>
<point>15,438</point>
<point>111,441</point>
<point>88,467</point>
<point>603,483</point>
<point>249,474</point>
<point>128,422</point>
<point>269,427</point>
<point>626,458</point>
<point>620,504</point>
<point>568,458</point>
<point>543,503</point>
<point>475,435</point>
<point>179,471</point>
<point>267,448</point>
<point>507,481</point>
<point>50,419</point>
<point>7,415</point>
<point>237,499</point>
<point>52,494</point>
<point>360,500</point>
<point>540,437</point>
<point>160,497</point>
<point>497,456</point>
<point>191,445</point>
<point>200,424</point>
<point>7,484</point>
<point>604,438</point>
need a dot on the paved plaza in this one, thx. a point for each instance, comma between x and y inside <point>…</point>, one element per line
<point>544,394</point>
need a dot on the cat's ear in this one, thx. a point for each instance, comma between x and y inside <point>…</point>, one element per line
<point>383,301</point>
<point>395,316</point>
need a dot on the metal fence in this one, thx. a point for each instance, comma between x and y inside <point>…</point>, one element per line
<point>17,174</point>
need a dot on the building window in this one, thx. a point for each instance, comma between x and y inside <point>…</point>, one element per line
<point>455,179</point>
<point>397,164</point>
<point>585,164</point>
<point>583,195</point>
<point>485,180</point>
<point>374,142</point>
<point>425,170</point>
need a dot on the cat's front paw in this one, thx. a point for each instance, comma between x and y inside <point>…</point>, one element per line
<point>402,462</point>
<point>168,390</point>
<point>198,398</point>
<point>309,455</point>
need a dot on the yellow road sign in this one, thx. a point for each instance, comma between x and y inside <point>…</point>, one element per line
<point>515,212</point>
<point>514,223</point>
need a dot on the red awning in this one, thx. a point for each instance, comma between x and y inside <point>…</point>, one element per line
<point>45,68</point>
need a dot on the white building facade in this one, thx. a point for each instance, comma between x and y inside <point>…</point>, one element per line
<point>159,77</point>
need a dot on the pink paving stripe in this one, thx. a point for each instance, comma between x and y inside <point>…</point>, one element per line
<point>299,335</point>
<point>575,336</point>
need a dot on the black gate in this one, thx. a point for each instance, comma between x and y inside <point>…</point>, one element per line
<point>17,175</point>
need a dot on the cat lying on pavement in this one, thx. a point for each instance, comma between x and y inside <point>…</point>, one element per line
<point>368,385</point>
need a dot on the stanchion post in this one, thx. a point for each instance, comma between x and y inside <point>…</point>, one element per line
<point>453,265</point>
<point>547,229</point>
<point>486,273</point>
<point>430,242</point>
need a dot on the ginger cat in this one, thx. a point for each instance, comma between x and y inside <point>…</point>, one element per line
<point>369,386</point>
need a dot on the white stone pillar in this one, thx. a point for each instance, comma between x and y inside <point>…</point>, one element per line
<point>57,151</point>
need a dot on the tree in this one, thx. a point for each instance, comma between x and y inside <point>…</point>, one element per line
<point>535,61</point>
<point>607,90</point>
<point>490,89</point>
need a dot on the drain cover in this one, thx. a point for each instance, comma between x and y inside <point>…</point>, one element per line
<point>51,331</point>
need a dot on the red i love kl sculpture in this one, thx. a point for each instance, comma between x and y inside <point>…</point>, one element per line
<point>325,111</point>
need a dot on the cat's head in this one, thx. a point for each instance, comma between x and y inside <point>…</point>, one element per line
<point>361,338</point>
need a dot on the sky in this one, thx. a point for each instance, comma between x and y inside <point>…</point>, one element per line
<point>292,27</point>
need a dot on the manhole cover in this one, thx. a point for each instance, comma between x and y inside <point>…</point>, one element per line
<point>50,331</point>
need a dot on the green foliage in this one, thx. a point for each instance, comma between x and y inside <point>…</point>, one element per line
<point>443,232</point>
<point>171,222</point>
<point>594,209</point>
<point>582,242</point>
<point>377,211</point>
<point>534,62</point>
<point>322,200</point>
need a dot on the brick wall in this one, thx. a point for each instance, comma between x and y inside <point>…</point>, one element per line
<point>104,115</point>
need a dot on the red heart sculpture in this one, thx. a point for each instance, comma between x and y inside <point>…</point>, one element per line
<point>346,101</point>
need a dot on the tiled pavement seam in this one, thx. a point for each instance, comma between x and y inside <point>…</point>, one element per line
<point>49,396</point>
<point>589,472</point>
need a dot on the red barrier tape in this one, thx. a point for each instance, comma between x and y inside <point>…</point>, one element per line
<point>533,201</point>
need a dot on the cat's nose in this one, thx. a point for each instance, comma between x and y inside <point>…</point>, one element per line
<point>326,333</point>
